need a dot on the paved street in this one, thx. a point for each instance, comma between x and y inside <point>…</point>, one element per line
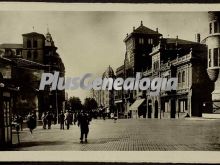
<point>129,135</point>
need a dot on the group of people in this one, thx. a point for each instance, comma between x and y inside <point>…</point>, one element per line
<point>47,119</point>
<point>66,118</point>
<point>83,120</point>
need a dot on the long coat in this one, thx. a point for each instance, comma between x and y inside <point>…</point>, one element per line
<point>83,122</point>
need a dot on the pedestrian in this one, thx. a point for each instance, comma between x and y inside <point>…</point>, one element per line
<point>61,117</point>
<point>49,119</point>
<point>67,119</point>
<point>44,120</point>
<point>83,122</point>
<point>20,121</point>
<point>31,122</point>
<point>115,117</point>
<point>54,119</point>
<point>74,118</point>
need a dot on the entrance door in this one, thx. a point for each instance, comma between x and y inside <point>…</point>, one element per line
<point>173,108</point>
<point>156,109</point>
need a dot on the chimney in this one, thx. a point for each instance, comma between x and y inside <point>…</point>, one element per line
<point>157,30</point>
<point>133,28</point>
<point>198,37</point>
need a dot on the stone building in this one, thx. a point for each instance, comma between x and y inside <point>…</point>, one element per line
<point>186,60</point>
<point>36,55</point>
<point>154,56</point>
<point>213,58</point>
<point>105,98</point>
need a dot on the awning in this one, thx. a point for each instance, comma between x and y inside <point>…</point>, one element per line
<point>136,104</point>
<point>118,101</point>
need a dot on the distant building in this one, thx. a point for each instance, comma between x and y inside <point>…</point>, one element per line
<point>105,98</point>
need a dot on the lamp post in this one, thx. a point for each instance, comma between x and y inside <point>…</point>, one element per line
<point>57,106</point>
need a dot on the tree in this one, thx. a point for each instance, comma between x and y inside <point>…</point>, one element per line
<point>90,103</point>
<point>75,104</point>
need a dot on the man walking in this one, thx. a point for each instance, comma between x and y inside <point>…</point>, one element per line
<point>67,119</point>
<point>83,122</point>
<point>62,117</point>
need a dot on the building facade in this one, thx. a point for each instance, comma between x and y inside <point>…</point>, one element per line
<point>36,55</point>
<point>153,56</point>
<point>105,98</point>
<point>213,58</point>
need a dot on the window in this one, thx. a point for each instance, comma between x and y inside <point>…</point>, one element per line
<point>150,41</point>
<point>35,44</point>
<point>210,28</point>
<point>215,27</point>
<point>215,54</point>
<point>28,43</point>
<point>183,77</point>
<point>35,55</point>
<point>28,55</point>
<point>141,41</point>
<point>179,77</point>
<point>210,57</point>
<point>18,52</point>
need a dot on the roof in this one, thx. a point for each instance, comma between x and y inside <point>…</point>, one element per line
<point>11,46</point>
<point>33,34</point>
<point>179,41</point>
<point>24,62</point>
<point>145,30</point>
<point>108,72</point>
<point>142,30</point>
<point>5,60</point>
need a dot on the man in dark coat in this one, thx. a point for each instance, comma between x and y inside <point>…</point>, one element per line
<point>83,122</point>
<point>62,117</point>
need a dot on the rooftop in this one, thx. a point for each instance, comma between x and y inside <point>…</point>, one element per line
<point>33,34</point>
<point>11,46</point>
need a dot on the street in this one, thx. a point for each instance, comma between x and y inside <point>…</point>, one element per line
<point>127,135</point>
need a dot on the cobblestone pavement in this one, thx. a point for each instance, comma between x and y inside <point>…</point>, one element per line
<point>128,135</point>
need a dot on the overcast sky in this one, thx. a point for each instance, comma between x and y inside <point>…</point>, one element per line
<point>88,42</point>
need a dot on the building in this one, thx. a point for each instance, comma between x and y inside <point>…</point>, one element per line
<point>36,55</point>
<point>154,56</point>
<point>213,58</point>
<point>105,98</point>
<point>186,60</point>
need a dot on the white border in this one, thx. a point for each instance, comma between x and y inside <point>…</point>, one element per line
<point>42,6</point>
<point>112,156</point>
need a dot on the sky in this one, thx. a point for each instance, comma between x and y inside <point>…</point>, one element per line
<point>88,42</point>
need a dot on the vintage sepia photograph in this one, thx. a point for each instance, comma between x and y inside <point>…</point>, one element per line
<point>109,81</point>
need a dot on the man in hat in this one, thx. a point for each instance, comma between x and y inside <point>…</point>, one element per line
<point>83,122</point>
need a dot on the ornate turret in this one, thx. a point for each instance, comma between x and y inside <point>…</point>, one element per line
<point>213,56</point>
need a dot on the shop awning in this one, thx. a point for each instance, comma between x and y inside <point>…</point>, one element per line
<point>118,101</point>
<point>136,104</point>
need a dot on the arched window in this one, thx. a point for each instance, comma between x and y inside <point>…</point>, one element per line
<point>29,55</point>
<point>183,77</point>
<point>28,43</point>
<point>35,55</point>
<point>179,77</point>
